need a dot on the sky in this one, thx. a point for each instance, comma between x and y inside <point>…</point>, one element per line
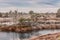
<point>39,6</point>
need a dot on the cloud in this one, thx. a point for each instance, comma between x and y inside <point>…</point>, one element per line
<point>29,3</point>
<point>24,5</point>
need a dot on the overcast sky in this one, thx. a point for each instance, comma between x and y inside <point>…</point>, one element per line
<point>27,5</point>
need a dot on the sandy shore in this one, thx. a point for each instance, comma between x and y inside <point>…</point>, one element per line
<point>24,29</point>
<point>18,28</point>
<point>54,36</point>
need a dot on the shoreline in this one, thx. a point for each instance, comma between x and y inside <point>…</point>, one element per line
<point>25,29</point>
<point>53,36</point>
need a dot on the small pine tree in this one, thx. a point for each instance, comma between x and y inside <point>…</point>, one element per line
<point>31,12</point>
<point>0,15</point>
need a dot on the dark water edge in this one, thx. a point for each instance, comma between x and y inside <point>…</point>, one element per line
<point>25,36</point>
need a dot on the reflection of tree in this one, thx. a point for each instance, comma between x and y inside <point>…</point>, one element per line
<point>23,36</point>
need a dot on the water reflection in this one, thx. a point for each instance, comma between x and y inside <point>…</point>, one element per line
<point>24,36</point>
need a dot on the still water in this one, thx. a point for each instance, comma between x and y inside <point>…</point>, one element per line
<point>24,36</point>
